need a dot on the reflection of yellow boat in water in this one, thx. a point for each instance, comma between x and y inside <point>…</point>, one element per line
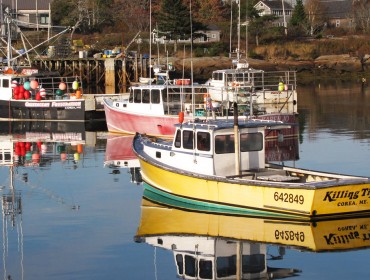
<point>200,252</point>
<point>330,235</point>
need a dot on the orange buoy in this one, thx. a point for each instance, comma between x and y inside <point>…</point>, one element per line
<point>79,148</point>
<point>181,117</point>
<point>78,94</point>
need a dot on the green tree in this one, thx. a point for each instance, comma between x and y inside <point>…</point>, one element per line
<point>61,11</point>
<point>263,29</point>
<point>298,21</point>
<point>299,16</point>
<point>173,18</point>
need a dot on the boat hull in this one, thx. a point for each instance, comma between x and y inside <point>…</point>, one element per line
<point>119,121</point>
<point>281,200</point>
<point>43,110</point>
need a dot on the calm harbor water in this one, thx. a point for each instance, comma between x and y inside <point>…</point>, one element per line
<point>72,205</point>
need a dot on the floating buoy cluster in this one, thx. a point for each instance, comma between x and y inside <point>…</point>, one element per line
<point>32,90</point>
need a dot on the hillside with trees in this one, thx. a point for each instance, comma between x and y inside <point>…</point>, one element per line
<point>307,36</point>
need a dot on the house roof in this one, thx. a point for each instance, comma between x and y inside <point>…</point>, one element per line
<point>337,8</point>
<point>276,5</point>
<point>27,4</point>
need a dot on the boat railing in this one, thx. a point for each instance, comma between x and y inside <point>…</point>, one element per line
<point>51,84</point>
<point>262,80</point>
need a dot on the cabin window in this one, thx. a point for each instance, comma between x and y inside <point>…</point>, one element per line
<point>156,96</point>
<point>253,263</point>
<point>6,156</point>
<point>137,95</point>
<point>250,142</point>
<point>224,144</point>
<point>226,266</point>
<point>188,139</point>
<point>190,266</point>
<point>5,83</point>
<point>145,96</point>
<point>203,141</point>
<point>180,264</point>
<point>217,76</point>
<point>178,139</point>
<point>205,269</point>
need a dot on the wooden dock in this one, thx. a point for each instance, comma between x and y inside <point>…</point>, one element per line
<point>114,75</point>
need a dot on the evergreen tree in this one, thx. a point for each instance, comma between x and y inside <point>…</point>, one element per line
<point>299,16</point>
<point>174,19</point>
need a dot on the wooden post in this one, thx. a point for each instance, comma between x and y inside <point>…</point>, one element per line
<point>110,85</point>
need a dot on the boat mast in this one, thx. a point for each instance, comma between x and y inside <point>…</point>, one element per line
<point>238,50</point>
<point>150,42</point>
<point>9,43</point>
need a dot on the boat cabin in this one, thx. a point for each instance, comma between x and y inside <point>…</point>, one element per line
<point>242,75</point>
<point>166,99</point>
<point>211,146</point>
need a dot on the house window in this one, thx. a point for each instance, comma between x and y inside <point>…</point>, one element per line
<point>44,18</point>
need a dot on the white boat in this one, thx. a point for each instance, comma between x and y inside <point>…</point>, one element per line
<point>28,94</point>
<point>272,91</point>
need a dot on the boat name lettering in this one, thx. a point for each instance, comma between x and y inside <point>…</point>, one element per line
<point>333,239</point>
<point>37,104</point>
<point>289,235</point>
<point>346,228</point>
<point>346,203</point>
<point>289,197</point>
<point>275,92</point>
<point>334,195</point>
<point>66,104</point>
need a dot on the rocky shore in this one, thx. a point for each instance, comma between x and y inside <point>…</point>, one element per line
<point>333,65</point>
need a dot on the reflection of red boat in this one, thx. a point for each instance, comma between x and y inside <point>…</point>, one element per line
<point>282,145</point>
<point>119,154</point>
<point>286,149</point>
<point>119,151</point>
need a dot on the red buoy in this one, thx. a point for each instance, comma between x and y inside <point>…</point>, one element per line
<point>181,117</point>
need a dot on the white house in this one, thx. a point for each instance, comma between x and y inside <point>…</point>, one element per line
<point>31,14</point>
<point>277,8</point>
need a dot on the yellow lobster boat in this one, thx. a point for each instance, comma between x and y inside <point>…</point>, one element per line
<point>200,167</point>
